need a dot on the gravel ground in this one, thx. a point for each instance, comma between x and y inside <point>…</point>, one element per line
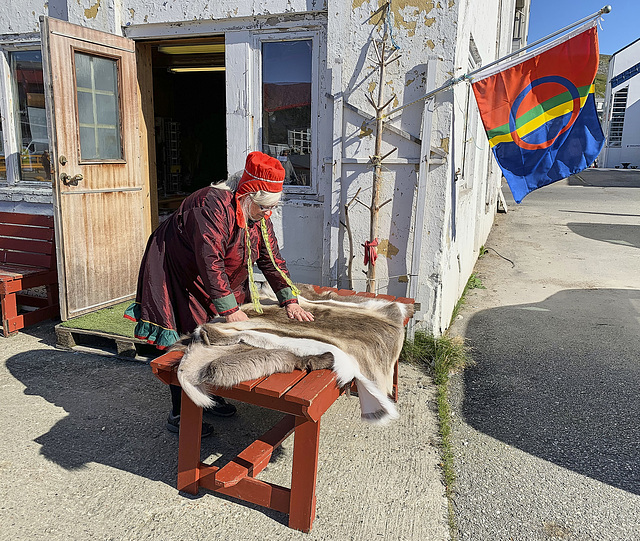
<point>546,423</point>
<point>84,455</point>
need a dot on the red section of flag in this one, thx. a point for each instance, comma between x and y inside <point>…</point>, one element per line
<point>575,59</point>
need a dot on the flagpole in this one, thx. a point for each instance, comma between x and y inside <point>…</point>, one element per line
<point>456,80</point>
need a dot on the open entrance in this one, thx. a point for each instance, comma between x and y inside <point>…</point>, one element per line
<point>189,115</point>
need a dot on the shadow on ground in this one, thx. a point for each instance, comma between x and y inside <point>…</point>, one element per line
<point>560,380</point>
<point>116,412</point>
<point>624,234</point>
<point>610,178</point>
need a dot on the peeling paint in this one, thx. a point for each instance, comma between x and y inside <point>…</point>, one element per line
<point>413,9</point>
<point>92,12</point>
<point>372,86</point>
<point>430,21</point>
<point>132,12</point>
<point>430,44</point>
<point>444,144</point>
<point>387,249</point>
<point>146,18</point>
<point>452,3</point>
<point>409,81</point>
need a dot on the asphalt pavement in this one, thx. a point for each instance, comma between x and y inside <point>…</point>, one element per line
<point>547,421</point>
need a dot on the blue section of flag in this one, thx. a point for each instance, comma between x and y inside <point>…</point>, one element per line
<point>574,150</point>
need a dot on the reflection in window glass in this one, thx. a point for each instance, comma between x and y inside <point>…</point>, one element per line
<point>286,103</point>
<point>33,137</point>
<point>98,107</point>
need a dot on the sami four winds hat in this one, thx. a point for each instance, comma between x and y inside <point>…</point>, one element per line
<point>261,173</point>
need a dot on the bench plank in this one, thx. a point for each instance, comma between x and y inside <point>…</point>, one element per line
<point>22,231</point>
<point>256,456</point>
<point>249,384</point>
<point>280,383</point>
<point>310,387</point>
<point>34,246</point>
<point>26,219</point>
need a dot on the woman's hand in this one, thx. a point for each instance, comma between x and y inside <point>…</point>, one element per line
<point>295,311</point>
<point>239,315</point>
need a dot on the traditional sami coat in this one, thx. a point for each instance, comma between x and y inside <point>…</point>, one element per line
<point>195,267</point>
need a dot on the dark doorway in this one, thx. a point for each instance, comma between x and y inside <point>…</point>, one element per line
<point>189,93</point>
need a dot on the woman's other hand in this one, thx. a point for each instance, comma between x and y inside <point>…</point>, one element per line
<point>239,315</point>
<point>295,311</point>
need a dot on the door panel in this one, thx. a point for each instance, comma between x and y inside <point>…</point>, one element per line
<point>101,193</point>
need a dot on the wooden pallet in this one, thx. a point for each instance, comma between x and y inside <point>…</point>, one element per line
<point>102,343</point>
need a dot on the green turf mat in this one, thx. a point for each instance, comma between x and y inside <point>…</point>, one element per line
<point>108,320</point>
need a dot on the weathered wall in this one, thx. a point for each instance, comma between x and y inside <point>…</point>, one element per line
<point>458,209</point>
<point>420,30</point>
<point>152,11</point>
<point>483,34</point>
<point>459,213</point>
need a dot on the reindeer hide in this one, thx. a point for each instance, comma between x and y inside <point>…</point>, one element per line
<point>359,338</point>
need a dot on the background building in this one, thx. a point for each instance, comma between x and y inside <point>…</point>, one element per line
<point>621,115</point>
<point>145,102</point>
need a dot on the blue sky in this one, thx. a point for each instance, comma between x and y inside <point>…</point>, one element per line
<point>619,28</point>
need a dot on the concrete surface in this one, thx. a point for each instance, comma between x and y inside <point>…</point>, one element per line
<point>84,454</point>
<point>547,426</point>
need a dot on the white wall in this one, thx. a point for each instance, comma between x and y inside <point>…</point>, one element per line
<point>489,23</point>
<point>422,31</point>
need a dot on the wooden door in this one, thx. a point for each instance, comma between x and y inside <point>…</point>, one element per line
<point>100,163</point>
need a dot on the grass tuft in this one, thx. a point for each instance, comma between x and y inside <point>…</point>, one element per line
<point>441,357</point>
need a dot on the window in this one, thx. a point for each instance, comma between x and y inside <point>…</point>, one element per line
<point>31,118</point>
<point>98,107</point>
<point>618,109</point>
<point>470,154</point>
<point>286,107</point>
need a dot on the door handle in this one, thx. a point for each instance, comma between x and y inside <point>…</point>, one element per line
<point>68,180</point>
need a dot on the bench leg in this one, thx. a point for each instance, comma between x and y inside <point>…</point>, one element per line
<point>189,445</point>
<point>305,471</point>
<point>9,314</point>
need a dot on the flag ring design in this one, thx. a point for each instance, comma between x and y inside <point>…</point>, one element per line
<point>539,112</point>
<point>575,95</point>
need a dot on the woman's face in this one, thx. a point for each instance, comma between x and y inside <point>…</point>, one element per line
<point>257,212</point>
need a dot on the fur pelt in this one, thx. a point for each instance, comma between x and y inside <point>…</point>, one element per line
<point>359,338</point>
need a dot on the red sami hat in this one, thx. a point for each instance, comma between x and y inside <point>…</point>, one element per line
<point>261,172</point>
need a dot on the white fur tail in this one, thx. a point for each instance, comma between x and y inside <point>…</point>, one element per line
<point>375,406</point>
<point>197,393</point>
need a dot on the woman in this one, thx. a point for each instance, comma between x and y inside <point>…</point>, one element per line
<point>198,263</point>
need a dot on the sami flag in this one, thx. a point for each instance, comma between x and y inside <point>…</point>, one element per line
<point>540,114</point>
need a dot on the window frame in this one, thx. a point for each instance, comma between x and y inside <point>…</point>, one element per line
<point>9,113</point>
<point>294,35</point>
<point>96,161</point>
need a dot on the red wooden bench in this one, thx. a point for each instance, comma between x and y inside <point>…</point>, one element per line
<point>27,260</point>
<point>303,396</point>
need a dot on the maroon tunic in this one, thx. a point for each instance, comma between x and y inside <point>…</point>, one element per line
<point>195,266</point>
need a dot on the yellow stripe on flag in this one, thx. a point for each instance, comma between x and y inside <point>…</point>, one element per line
<point>557,111</point>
